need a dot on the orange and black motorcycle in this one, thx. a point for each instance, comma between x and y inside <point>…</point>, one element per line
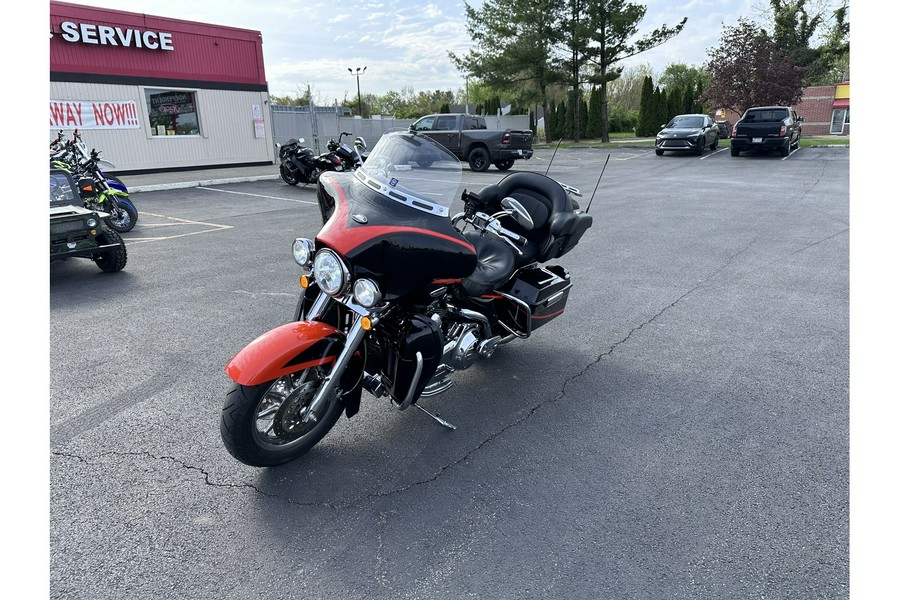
<point>397,295</point>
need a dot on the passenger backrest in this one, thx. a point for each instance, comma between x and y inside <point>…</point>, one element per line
<point>557,227</point>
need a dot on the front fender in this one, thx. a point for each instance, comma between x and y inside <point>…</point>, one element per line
<point>287,349</point>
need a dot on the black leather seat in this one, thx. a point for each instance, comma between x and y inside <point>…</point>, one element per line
<point>558,226</point>
<point>496,263</point>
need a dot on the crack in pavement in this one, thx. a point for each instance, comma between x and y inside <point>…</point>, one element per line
<point>206,476</point>
<point>560,395</point>
<point>465,458</point>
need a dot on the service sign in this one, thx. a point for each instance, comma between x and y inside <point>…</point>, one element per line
<point>74,114</point>
<point>104,35</point>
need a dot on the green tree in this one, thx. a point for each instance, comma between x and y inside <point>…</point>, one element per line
<point>645,116</point>
<point>682,76</point>
<point>660,109</point>
<point>594,129</point>
<point>615,25</point>
<point>513,50</point>
<point>626,90</point>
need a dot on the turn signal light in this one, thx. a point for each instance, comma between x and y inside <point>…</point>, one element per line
<point>304,281</point>
<point>366,323</point>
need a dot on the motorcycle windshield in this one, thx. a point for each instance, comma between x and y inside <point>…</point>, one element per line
<point>413,170</point>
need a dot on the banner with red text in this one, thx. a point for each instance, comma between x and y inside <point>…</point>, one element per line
<point>74,114</point>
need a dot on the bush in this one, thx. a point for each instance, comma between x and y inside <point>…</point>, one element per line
<point>622,120</point>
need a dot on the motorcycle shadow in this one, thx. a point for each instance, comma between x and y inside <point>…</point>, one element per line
<point>381,450</point>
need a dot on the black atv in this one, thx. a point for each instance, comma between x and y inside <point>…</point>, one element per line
<point>76,231</point>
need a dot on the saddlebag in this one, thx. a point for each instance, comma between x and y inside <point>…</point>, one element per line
<point>534,297</point>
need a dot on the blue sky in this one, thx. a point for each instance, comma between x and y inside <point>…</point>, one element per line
<point>404,43</point>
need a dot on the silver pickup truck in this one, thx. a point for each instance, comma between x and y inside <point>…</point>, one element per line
<point>469,139</point>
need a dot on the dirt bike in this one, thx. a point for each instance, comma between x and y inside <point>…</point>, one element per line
<point>397,295</point>
<point>98,190</point>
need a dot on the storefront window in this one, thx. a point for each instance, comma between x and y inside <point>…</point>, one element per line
<point>172,112</point>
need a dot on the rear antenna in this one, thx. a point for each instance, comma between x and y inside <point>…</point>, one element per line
<point>554,156</point>
<point>588,209</point>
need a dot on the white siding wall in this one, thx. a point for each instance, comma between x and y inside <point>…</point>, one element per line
<point>226,125</point>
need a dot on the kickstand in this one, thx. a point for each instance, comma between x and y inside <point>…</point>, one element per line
<point>446,424</point>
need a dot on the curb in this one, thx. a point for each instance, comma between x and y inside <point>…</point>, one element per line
<point>156,187</point>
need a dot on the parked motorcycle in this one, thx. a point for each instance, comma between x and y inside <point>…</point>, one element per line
<point>352,157</point>
<point>298,163</point>
<point>397,296</point>
<point>98,190</point>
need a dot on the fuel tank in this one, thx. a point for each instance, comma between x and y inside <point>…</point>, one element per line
<point>402,248</point>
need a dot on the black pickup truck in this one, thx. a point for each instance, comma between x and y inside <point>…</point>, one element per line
<point>468,137</point>
<point>767,128</point>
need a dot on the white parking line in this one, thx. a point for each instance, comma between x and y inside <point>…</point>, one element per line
<point>789,154</point>
<point>203,187</point>
<point>713,154</point>
<point>213,226</point>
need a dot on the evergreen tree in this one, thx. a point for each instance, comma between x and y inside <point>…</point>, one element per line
<point>659,110</point>
<point>673,99</point>
<point>594,125</point>
<point>567,118</point>
<point>550,121</point>
<point>646,110</point>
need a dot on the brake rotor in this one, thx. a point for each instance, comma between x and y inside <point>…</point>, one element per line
<point>288,423</point>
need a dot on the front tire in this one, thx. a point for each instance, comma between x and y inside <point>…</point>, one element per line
<point>114,260</point>
<point>288,176</point>
<point>262,425</point>
<point>659,152</point>
<point>479,160</point>
<point>122,217</point>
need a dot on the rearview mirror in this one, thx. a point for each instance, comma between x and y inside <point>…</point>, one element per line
<point>518,212</point>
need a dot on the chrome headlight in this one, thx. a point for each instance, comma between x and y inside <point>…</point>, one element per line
<point>330,273</point>
<point>91,222</point>
<point>366,293</point>
<point>302,250</point>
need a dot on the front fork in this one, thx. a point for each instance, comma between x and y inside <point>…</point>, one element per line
<point>355,337</point>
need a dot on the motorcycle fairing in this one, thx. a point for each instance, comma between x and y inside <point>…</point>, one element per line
<point>406,249</point>
<point>286,349</point>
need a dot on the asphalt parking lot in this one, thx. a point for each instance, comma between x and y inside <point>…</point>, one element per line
<point>680,432</point>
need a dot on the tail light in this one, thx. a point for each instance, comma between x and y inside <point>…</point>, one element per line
<point>783,131</point>
<point>506,139</point>
<point>734,130</point>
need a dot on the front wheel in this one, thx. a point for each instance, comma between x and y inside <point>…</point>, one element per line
<point>113,260</point>
<point>479,160</point>
<point>263,425</point>
<point>288,176</point>
<point>122,216</point>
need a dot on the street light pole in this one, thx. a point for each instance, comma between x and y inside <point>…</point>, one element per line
<point>359,71</point>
